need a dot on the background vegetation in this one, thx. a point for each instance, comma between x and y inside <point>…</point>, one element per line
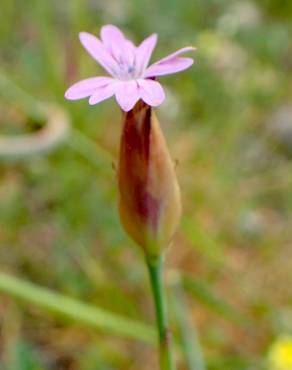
<point>228,121</point>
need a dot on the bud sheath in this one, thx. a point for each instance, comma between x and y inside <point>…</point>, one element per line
<point>149,203</point>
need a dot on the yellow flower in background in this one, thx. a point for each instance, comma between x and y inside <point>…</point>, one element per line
<point>280,354</point>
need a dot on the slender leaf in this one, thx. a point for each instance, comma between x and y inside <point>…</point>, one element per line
<point>80,312</point>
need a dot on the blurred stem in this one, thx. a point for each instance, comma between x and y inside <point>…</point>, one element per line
<point>91,151</point>
<point>188,333</point>
<point>155,267</point>
<point>11,92</point>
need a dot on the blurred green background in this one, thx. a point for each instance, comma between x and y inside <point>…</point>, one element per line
<point>228,121</point>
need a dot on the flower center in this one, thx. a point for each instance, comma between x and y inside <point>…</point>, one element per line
<point>126,71</point>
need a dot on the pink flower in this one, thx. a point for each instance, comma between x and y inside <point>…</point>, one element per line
<point>131,78</point>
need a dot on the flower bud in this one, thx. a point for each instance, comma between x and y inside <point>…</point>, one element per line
<point>149,203</point>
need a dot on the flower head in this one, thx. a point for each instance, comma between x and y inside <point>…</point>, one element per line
<point>280,354</point>
<point>130,77</point>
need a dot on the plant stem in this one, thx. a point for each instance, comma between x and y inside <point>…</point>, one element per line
<point>155,267</point>
<point>187,330</point>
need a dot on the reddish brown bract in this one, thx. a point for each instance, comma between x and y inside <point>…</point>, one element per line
<point>150,204</point>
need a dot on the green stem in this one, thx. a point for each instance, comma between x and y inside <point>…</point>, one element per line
<point>187,330</point>
<point>155,267</point>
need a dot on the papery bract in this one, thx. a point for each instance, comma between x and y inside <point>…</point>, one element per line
<point>149,204</point>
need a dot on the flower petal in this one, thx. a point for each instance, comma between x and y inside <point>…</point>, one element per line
<point>170,64</point>
<point>111,34</point>
<point>127,94</point>
<point>97,50</point>
<point>151,92</point>
<point>144,52</point>
<point>102,93</point>
<point>87,87</point>
<point>112,38</point>
<point>116,43</point>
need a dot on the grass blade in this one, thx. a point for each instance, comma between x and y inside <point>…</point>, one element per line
<point>75,310</point>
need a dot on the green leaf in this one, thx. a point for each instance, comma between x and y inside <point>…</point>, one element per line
<point>80,312</point>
